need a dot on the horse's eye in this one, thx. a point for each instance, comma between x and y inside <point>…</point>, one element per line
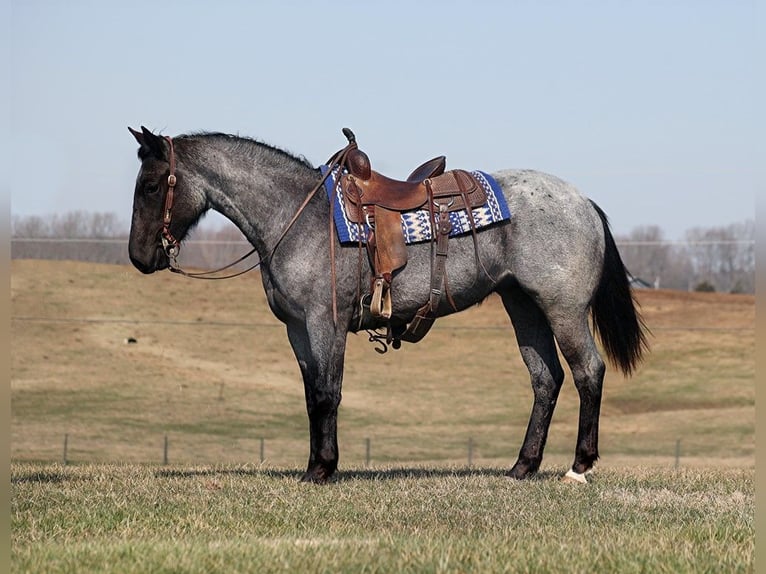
<point>151,189</point>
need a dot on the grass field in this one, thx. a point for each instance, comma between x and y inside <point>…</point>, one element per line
<point>138,519</point>
<point>212,371</point>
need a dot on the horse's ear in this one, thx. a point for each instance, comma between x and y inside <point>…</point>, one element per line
<point>138,135</point>
<point>151,144</point>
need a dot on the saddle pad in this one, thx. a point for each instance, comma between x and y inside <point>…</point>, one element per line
<point>416,225</point>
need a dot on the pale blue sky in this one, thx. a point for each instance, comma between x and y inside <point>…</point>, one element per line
<point>653,109</point>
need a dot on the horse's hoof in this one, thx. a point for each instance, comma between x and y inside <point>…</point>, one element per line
<point>316,475</point>
<point>572,477</point>
<point>522,471</point>
<point>314,478</point>
<point>515,475</point>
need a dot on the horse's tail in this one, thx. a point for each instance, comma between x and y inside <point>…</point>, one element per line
<point>615,317</point>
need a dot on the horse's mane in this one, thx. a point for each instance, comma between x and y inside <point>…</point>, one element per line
<point>247,142</point>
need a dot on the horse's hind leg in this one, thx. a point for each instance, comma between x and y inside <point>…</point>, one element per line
<point>538,349</point>
<point>575,340</point>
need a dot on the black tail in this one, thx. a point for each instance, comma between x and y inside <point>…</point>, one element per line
<point>615,317</point>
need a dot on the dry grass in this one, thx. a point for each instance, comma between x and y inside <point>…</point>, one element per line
<point>213,369</point>
<point>125,518</point>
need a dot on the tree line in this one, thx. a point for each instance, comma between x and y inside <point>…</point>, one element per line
<point>707,259</point>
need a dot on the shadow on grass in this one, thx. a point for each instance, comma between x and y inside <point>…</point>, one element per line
<point>195,472</point>
<point>422,473</point>
<point>40,477</point>
<point>371,475</point>
<point>56,476</point>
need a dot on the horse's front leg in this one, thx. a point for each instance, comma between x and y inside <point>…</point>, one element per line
<point>320,350</point>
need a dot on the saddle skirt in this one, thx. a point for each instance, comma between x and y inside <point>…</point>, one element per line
<point>416,223</point>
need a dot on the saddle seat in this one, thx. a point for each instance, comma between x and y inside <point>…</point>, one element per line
<point>430,168</point>
<point>365,189</point>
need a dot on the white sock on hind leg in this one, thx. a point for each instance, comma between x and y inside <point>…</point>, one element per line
<point>576,476</point>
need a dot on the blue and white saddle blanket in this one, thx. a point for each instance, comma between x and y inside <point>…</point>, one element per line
<point>416,225</point>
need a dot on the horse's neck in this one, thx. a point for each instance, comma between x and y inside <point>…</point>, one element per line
<point>259,192</point>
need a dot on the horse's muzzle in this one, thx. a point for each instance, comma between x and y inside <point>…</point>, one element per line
<point>156,262</point>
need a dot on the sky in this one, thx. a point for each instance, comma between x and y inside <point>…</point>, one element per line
<point>652,109</point>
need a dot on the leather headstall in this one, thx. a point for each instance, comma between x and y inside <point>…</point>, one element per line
<point>170,243</point>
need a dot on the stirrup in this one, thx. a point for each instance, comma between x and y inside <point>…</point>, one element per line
<point>380,304</point>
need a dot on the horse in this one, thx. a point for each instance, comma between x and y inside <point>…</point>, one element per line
<point>554,264</point>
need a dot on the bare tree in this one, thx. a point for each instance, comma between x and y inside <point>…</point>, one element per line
<point>106,225</point>
<point>646,253</point>
<point>78,235</point>
<point>29,226</point>
<point>724,257</point>
<point>70,225</point>
<point>679,270</point>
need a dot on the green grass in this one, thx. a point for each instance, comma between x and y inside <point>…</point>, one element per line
<point>126,518</point>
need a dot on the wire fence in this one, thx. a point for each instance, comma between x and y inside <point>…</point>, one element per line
<point>196,253</point>
<point>255,325</point>
<point>369,453</point>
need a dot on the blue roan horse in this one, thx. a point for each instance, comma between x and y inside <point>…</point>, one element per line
<point>554,263</point>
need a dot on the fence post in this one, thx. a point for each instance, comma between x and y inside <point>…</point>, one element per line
<point>470,452</point>
<point>165,451</point>
<point>367,452</point>
<point>66,445</point>
<point>262,450</point>
<point>678,452</point>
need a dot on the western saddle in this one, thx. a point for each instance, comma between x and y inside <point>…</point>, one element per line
<point>379,201</point>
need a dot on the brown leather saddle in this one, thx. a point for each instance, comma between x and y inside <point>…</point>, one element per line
<point>379,201</point>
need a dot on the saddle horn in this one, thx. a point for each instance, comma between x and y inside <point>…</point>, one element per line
<point>349,135</point>
<point>357,162</point>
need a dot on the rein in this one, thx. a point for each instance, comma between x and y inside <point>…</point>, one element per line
<point>172,246</point>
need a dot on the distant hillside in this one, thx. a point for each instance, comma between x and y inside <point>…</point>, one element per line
<point>211,368</point>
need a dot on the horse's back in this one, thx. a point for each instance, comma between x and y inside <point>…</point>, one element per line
<point>556,237</point>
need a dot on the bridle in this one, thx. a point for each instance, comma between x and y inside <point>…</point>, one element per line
<point>170,244</point>
<point>172,247</point>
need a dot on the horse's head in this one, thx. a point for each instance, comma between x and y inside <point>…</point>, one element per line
<point>157,226</point>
